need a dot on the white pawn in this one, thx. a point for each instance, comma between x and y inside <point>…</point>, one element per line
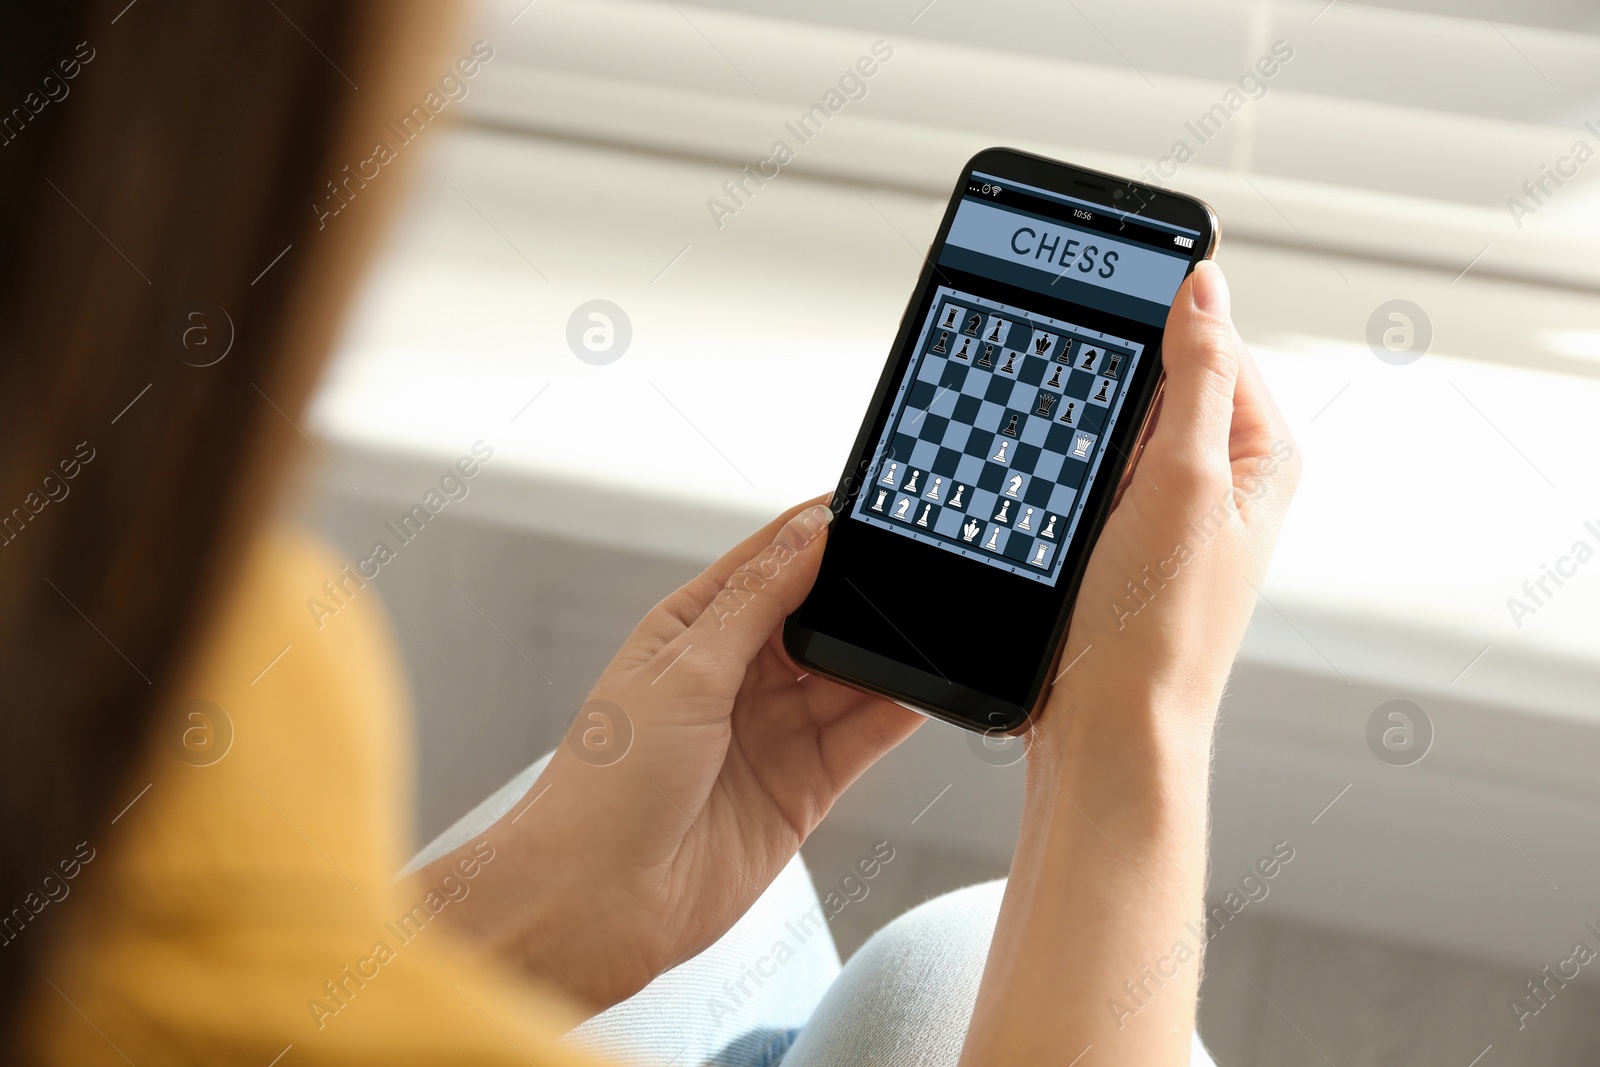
<point>1000,453</point>
<point>911,486</point>
<point>955,501</point>
<point>1026,523</point>
<point>927,509</point>
<point>1050,529</point>
<point>993,536</point>
<point>1001,515</point>
<point>933,493</point>
<point>891,475</point>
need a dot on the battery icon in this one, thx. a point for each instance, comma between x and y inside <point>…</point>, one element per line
<point>1183,242</point>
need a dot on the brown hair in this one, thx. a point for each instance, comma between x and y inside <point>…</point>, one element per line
<point>159,163</point>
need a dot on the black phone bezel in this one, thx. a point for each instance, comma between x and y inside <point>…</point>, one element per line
<point>912,687</point>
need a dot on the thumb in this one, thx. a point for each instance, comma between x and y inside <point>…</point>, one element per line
<point>755,599</point>
<point>1201,352</point>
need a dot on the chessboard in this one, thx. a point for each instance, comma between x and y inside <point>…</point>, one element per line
<point>996,432</point>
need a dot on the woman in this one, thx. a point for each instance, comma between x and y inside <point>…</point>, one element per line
<point>167,171</point>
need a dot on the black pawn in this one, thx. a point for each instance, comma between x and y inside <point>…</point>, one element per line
<point>1066,415</point>
<point>1011,427</point>
<point>940,347</point>
<point>1101,395</point>
<point>1011,361</point>
<point>987,359</point>
<point>1055,380</point>
<point>966,343</point>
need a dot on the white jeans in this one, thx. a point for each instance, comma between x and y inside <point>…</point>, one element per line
<point>772,988</point>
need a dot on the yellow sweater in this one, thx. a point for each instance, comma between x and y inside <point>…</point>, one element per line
<point>242,909</point>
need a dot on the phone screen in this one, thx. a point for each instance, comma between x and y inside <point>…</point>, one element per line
<point>998,434</point>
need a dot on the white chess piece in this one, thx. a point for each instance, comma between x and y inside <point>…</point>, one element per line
<point>1003,515</point>
<point>1026,523</point>
<point>955,501</point>
<point>927,509</point>
<point>933,493</point>
<point>970,530</point>
<point>1050,529</point>
<point>900,508</point>
<point>890,476</point>
<point>1038,556</point>
<point>1080,447</point>
<point>993,535</point>
<point>1000,453</point>
<point>911,486</point>
<point>1014,486</point>
<point>877,505</point>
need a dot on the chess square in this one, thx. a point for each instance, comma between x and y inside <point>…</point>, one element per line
<point>949,523</point>
<point>994,539</point>
<point>1059,439</point>
<point>944,401</point>
<point>991,478</point>
<point>915,480</point>
<point>1044,403</point>
<point>998,390</point>
<point>1015,485</point>
<point>969,469</point>
<point>931,428</point>
<point>989,416</point>
<point>1007,362</point>
<point>940,342</point>
<point>966,350</point>
<point>1040,554</point>
<point>1061,500</point>
<point>901,445</point>
<point>945,462</point>
<point>1005,451</point>
<point>1029,518</point>
<point>1022,396</point>
<point>981,503</point>
<point>1105,391</point>
<point>1088,358</point>
<point>973,323</point>
<point>900,510</point>
<point>1094,418</point>
<point>1033,370</point>
<point>955,435</point>
<point>965,409</point>
<point>920,395</point>
<point>1049,465</point>
<point>1018,547</point>
<point>1043,343</point>
<point>922,454</point>
<point>937,488</point>
<point>951,376</point>
<point>957,496</point>
<point>1111,366</point>
<point>1069,411</point>
<point>1013,420</point>
<point>1005,511</point>
<point>1079,384</point>
<point>931,370</point>
<point>950,317</point>
<point>996,330</point>
<point>925,514</point>
<point>980,445</point>
<point>1058,377</point>
<point>1054,526</point>
<point>1026,456</point>
<point>1082,445</point>
<point>1035,430</point>
<point>1038,491</point>
<point>970,531</point>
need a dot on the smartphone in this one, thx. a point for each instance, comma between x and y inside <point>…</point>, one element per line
<point>1011,410</point>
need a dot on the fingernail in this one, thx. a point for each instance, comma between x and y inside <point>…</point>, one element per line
<point>803,529</point>
<point>1211,290</point>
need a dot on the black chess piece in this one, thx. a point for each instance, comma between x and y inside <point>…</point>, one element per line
<point>939,347</point>
<point>1088,358</point>
<point>1110,369</point>
<point>1011,364</point>
<point>973,324</point>
<point>1011,427</point>
<point>966,344</point>
<point>987,359</point>
<point>1104,385</point>
<point>994,334</point>
<point>950,313</point>
<point>1055,380</point>
<point>1066,415</point>
<point>1041,345</point>
<point>1046,402</point>
<point>1063,355</point>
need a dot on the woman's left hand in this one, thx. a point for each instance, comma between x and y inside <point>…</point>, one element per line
<point>701,761</point>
